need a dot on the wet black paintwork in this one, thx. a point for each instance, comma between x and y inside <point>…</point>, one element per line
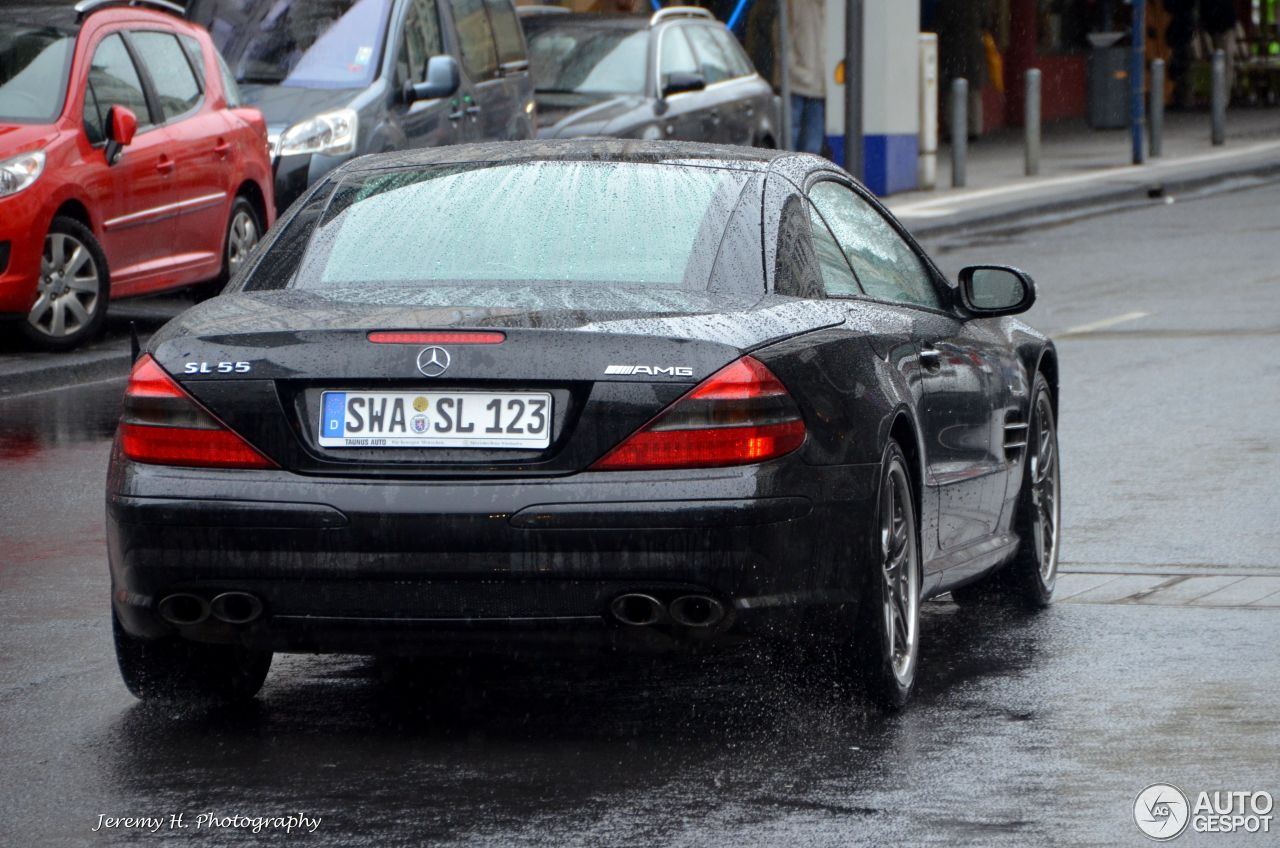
<point>445,519</point>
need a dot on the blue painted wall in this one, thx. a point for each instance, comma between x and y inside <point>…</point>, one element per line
<point>890,161</point>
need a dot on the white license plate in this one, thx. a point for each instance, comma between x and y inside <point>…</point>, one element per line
<point>435,420</point>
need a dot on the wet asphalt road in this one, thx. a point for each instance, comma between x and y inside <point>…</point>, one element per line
<point>1026,729</point>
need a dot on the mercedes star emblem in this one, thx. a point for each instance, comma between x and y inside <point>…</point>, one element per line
<point>432,361</point>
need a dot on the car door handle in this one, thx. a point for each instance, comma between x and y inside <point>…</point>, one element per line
<point>222,148</point>
<point>165,165</point>
<point>930,358</point>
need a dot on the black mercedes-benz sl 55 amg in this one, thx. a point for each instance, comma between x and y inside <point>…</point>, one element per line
<point>600,394</point>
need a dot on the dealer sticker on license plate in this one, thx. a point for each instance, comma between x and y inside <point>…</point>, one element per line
<point>435,420</point>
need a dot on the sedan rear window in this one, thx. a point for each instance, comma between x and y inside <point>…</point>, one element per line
<point>33,72</point>
<point>541,223</point>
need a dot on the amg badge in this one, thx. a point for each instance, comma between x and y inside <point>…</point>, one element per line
<point>655,370</point>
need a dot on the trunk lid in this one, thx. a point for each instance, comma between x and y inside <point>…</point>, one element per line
<point>262,362</point>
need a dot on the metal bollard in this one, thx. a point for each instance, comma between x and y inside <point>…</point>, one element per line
<point>1031,122</point>
<point>959,130</point>
<point>1156,108</point>
<point>1219,105</point>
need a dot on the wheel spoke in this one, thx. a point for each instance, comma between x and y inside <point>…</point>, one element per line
<point>88,285</point>
<point>57,250</point>
<point>39,308</point>
<point>58,323</point>
<point>900,621</point>
<point>891,628</point>
<point>76,308</point>
<point>79,256</point>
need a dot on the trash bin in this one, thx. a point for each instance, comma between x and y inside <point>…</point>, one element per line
<point>1108,81</point>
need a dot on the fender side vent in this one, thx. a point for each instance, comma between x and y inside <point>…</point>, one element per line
<point>1015,436</point>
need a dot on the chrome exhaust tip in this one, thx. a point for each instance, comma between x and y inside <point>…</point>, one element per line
<point>236,607</point>
<point>183,608</point>
<point>696,611</point>
<point>637,610</point>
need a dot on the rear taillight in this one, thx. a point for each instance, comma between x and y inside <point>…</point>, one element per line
<point>739,415</point>
<point>164,425</point>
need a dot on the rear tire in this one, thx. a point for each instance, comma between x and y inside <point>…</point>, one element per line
<point>1028,580</point>
<point>886,652</point>
<point>188,672</point>
<point>244,231</point>
<point>72,290</point>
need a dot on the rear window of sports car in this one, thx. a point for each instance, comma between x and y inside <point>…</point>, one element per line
<point>532,223</point>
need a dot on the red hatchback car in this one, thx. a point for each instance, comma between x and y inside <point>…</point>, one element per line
<point>127,165</point>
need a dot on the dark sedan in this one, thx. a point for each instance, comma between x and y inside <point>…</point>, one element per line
<point>721,394</point>
<point>677,75</point>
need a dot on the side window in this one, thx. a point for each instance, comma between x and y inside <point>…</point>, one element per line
<point>229,87</point>
<point>94,119</point>
<point>170,71</point>
<point>115,80</point>
<point>479,58</point>
<point>885,264</point>
<point>195,53</point>
<point>715,65</point>
<point>421,41</point>
<point>677,57</point>
<point>739,64</point>
<point>837,279</point>
<point>796,270</point>
<point>506,31</point>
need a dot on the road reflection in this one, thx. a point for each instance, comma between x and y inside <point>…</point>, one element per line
<point>30,424</point>
<point>471,744</point>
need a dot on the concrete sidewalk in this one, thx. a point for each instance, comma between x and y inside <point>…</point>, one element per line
<point>1085,167</point>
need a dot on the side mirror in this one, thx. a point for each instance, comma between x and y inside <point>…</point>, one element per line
<point>989,290</point>
<point>443,79</point>
<point>121,126</point>
<point>681,81</point>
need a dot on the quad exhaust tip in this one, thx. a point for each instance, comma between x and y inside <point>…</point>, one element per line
<point>236,607</point>
<point>637,610</point>
<point>183,608</point>
<point>696,611</point>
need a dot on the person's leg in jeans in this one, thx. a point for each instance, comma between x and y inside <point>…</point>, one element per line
<point>808,123</point>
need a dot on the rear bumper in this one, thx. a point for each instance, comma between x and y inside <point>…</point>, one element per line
<point>374,565</point>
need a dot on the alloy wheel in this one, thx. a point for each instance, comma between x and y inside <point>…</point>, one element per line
<point>1045,489</point>
<point>69,291</point>
<point>900,575</point>
<point>242,237</point>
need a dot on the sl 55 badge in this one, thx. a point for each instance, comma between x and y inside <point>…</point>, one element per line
<point>217,368</point>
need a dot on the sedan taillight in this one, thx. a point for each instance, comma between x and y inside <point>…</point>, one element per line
<point>739,415</point>
<point>163,425</point>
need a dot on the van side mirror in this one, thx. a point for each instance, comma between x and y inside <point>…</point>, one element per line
<point>443,79</point>
<point>681,81</point>
<point>991,290</point>
<point>121,126</point>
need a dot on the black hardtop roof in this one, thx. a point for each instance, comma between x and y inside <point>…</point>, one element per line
<point>579,149</point>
